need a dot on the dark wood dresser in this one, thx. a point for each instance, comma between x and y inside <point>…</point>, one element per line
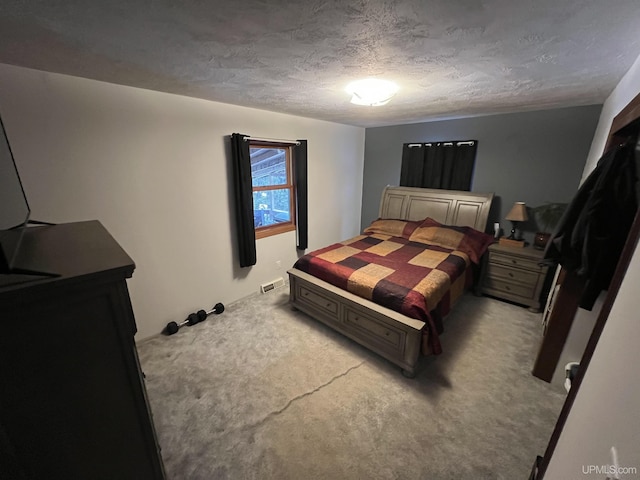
<point>73,403</point>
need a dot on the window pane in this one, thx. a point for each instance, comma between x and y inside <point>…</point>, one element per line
<point>268,166</point>
<point>271,207</point>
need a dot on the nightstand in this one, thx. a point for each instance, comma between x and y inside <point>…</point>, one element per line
<point>514,274</point>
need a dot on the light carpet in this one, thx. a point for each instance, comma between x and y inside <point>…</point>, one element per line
<point>264,392</point>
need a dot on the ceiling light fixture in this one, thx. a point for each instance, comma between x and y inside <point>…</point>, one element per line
<point>372,92</point>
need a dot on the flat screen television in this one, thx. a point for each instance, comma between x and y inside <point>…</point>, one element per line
<point>14,208</point>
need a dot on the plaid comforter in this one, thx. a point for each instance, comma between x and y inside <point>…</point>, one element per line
<point>409,277</point>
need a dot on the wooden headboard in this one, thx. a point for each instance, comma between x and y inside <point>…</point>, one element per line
<point>450,207</point>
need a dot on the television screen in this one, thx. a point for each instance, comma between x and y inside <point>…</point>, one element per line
<point>14,209</point>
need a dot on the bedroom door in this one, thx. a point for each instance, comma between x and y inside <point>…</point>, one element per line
<point>624,125</point>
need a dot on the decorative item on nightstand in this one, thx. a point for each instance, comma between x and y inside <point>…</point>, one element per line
<point>547,216</point>
<point>518,213</point>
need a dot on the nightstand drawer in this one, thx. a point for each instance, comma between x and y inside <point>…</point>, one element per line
<point>507,286</point>
<point>514,261</point>
<point>512,274</point>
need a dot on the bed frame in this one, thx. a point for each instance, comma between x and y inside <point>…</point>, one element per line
<point>392,335</point>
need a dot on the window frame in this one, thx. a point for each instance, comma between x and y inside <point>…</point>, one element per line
<point>282,227</point>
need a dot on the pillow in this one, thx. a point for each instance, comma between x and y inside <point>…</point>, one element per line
<point>393,227</point>
<point>465,239</point>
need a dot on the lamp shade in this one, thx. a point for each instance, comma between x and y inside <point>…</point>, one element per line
<point>518,213</point>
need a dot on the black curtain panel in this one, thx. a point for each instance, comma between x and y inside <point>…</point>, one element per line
<point>436,172</point>
<point>445,165</point>
<point>463,159</point>
<point>241,160</point>
<point>300,175</point>
<point>412,165</point>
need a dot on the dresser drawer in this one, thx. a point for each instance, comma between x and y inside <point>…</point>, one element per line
<point>525,277</point>
<point>375,330</point>
<point>319,301</point>
<point>509,287</point>
<point>514,261</point>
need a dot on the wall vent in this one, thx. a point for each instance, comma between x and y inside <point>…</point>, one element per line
<point>267,287</point>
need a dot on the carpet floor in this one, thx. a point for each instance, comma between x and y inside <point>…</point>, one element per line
<point>265,392</point>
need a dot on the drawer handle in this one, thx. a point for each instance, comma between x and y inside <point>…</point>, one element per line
<point>514,261</point>
<point>306,294</point>
<point>387,334</point>
<point>506,287</point>
<point>510,274</point>
<point>328,304</point>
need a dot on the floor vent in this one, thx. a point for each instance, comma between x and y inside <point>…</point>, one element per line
<point>267,287</point>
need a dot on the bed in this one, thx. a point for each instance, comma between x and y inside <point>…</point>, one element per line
<point>402,325</point>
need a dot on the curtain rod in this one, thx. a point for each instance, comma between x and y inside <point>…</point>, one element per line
<point>445,144</point>
<point>275,140</point>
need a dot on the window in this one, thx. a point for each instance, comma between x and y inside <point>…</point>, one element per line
<point>272,187</point>
<point>291,216</point>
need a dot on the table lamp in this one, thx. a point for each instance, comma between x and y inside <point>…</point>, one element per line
<point>518,213</point>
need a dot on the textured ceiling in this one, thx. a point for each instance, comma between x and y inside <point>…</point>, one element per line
<point>450,58</point>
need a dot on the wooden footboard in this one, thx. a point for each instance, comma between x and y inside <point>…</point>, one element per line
<point>392,335</point>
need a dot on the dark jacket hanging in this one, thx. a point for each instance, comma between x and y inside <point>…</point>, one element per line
<point>592,232</point>
<point>300,173</point>
<point>241,159</point>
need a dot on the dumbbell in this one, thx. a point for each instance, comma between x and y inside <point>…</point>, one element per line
<point>193,318</point>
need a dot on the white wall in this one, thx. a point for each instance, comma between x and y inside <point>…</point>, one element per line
<point>606,410</point>
<point>624,92</point>
<point>578,337</point>
<point>154,169</point>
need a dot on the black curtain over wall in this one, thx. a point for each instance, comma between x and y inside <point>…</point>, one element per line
<point>446,165</point>
<point>412,165</point>
<point>300,174</point>
<point>241,159</point>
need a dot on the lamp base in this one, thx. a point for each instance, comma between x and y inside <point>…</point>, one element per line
<point>507,242</point>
